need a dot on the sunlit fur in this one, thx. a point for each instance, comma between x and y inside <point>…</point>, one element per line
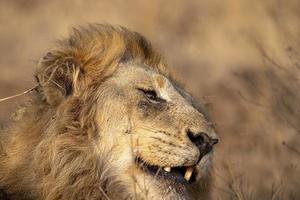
<point>85,124</point>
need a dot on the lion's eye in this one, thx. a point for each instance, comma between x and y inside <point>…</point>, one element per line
<point>151,95</point>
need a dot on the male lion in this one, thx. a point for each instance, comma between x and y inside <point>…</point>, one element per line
<point>107,121</point>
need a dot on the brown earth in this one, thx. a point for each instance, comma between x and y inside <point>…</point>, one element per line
<point>242,58</point>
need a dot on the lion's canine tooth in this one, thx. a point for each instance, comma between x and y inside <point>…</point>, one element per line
<point>167,169</point>
<point>188,173</point>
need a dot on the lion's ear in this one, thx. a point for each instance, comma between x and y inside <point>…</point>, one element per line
<point>59,76</point>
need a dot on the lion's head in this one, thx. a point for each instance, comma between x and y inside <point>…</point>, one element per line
<point>119,118</point>
<point>162,140</point>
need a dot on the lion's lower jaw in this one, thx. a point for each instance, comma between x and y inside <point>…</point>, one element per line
<point>141,185</point>
<point>194,191</point>
<point>144,186</point>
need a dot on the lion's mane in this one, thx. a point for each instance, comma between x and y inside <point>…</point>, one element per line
<point>49,153</point>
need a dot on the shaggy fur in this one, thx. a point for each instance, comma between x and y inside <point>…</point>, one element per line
<point>52,151</point>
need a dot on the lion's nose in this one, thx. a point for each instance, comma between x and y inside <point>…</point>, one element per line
<point>202,141</point>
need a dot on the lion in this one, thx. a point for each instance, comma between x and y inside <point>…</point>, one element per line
<point>107,120</point>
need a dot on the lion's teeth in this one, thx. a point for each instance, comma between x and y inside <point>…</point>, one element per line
<point>167,169</point>
<point>188,173</point>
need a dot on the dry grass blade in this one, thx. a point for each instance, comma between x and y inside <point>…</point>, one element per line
<point>20,94</point>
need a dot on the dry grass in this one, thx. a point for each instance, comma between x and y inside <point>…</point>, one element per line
<point>241,57</point>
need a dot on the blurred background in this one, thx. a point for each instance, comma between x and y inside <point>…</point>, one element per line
<point>239,57</point>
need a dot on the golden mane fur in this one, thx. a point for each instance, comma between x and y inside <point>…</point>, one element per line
<point>48,153</point>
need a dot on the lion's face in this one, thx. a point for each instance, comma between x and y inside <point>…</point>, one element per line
<point>160,138</point>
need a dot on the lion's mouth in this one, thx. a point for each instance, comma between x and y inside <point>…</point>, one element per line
<point>182,175</point>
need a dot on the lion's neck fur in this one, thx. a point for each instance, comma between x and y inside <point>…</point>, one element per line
<point>40,162</point>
